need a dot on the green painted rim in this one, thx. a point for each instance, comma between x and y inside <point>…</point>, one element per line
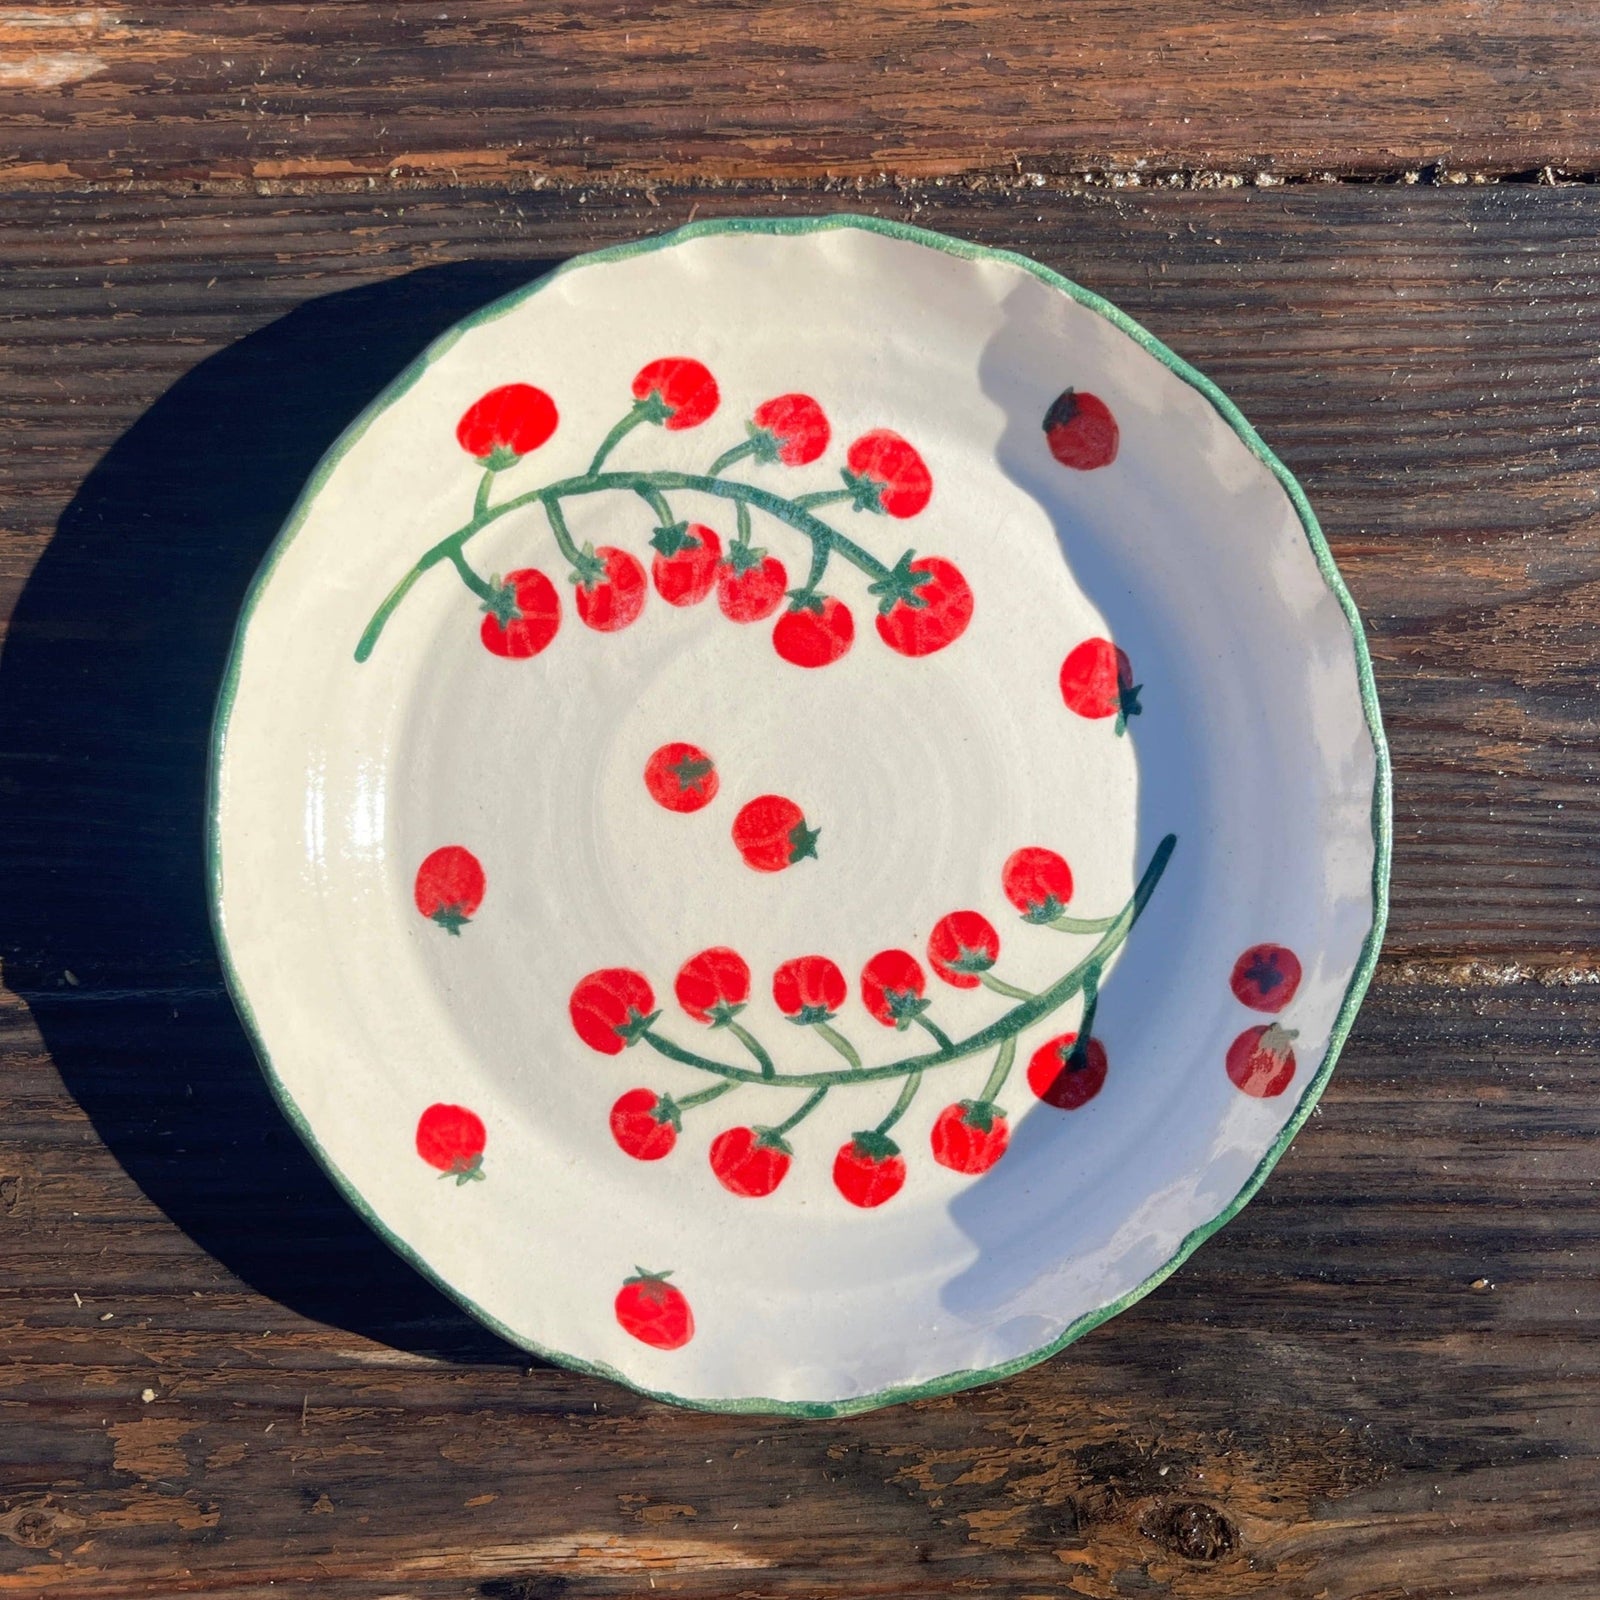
<point>949,1382</point>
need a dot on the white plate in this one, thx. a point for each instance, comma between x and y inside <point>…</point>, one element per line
<point>423,848</point>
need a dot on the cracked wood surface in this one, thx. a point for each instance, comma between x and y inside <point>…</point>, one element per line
<point>1379,1381</point>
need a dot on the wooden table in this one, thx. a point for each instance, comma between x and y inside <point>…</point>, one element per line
<point>224,227</point>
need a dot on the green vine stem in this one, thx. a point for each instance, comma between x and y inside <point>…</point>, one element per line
<point>1000,986</point>
<point>908,1093</point>
<point>651,486</point>
<point>705,1096</point>
<point>1085,978</point>
<point>753,1045</point>
<point>996,1081</point>
<point>940,1037</point>
<point>1080,924</point>
<point>839,1043</point>
<point>794,1120</point>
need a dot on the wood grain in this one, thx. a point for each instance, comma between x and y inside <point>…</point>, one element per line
<point>612,91</point>
<point>1379,1382</point>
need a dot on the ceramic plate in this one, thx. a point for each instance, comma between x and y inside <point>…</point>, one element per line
<point>799,814</point>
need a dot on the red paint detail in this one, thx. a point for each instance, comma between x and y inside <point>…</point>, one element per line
<point>763,832</point>
<point>1034,876</point>
<point>450,880</point>
<point>1095,677</point>
<point>1058,1082</point>
<point>748,1165</point>
<point>515,417</point>
<point>605,1002</point>
<point>618,598</point>
<point>963,1147</point>
<point>450,1138</point>
<point>527,634</point>
<point>1261,1060</point>
<point>754,595</point>
<point>1266,977</point>
<point>867,1179</point>
<point>686,577</point>
<point>684,387</point>
<point>639,1132</point>
<point>675,778</point>
<point>961,931</point>
<point>940,620</point>
<point>810,638</point>
<point>798,427</point>
<point>655,1312</point>
<point>808,982</point>
<point>716,977</point>
<point>1081,432</point>
<point>896,971</point>
<point>902,478</point>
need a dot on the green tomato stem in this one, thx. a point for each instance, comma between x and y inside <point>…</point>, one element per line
<point>839,1043</point>
<point>940,1037</point>
<point>705,1096</point>
<point>558,526</point>
<point>812,1101</point>
<point>822,497</point>
<point>996,1081</point>
<point>657,502</point>
<point>620,432</point>
<point>1078,924</point>
<point>729,457</point>
<point>747,1039</point>
<point>1000,986</point>
<point>908,1093</point>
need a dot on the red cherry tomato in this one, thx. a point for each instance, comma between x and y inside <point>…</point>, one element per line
<point>655,1312</point>
<point>713,985</point>
<point>609,1007</point>
<point>869,1170</point>
<point>750,1163</point>
<point>811,988</point>
<point>1064,1077</point>
<point>887,474</point>
<point>970,1136</point>
<point>1261,1060</point>
<point>751,594</point>
<point>450,887</point>
<point>644,1125</point>
<point>796,426</point>
<point>1266,977</point>
<point>1080,431</point>
<point>770,832</point>
<point>814,638</point>
<point>685,574</point>
<point>1037,882</point>
<point>892,987</point>
<point>452,1139</point>
<point>681,387</point>
<point>941,617</point>
<point>506,423</point>
<point>617,598</point>
<point>535,624</point>
<point>961,946</point>
<point>1097,681</point>
<point>681,777</point>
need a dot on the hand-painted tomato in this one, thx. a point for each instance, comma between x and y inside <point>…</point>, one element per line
<point>796,428</point>
<point>450,887</point>
<point>1266,977</point>
<point>644,1125</point>
<point>1261,1060</point>
<point>685,564</point>
<point>506,424</point>
<point>750,1162</point>
<point>537,609</point>
<point>809,988</point>
<point>1065,1077</point>
<point>887,475</point>
<point>611,1008</point>
<point>654,1311</point>
<point>680,389</point>
<point>1097,681</point>
<point>681,777</point>
<point>892,988</point>
<point>1037,882</point>
<point>770,832</point>
<point>714,985</point>
<point>970,1136</point>
<point>814,632</point>
<point>961,946</point>
<point>937,616</point>
<point>750,594</point>
<point>615,600</point>
<point>869,1170</point>
<point>1080,431</point>
<point>452,1138</point>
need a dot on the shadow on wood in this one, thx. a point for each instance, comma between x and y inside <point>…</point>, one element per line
<point>107,685</point>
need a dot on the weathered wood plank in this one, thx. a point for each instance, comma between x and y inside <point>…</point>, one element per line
<point>1426,360</point>
<point>596,89</point>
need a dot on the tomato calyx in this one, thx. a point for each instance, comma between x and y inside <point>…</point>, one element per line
<point>1062,410</point>
<point>807,600</point>
<point>1277,1040</point>
<point>691,772</point>
<point>981,1115</point>
<point>1265,972</point>
<point>1074,1057</point>
<point>588,570</point>
<point>637,1025</point>
<point>764,443</point>
<point>904,1006</point>
<point>803,842</point>
<point>967,959</point>
<point>1127,705</point>
<point>1043,911</point>
<point>672,537</point>
<point>871,1145</point>
<point>651,1282</point>
<point>465,1169</point>
<point>501,602</point>
<point>654,408</point>
<point>866,493</point>
<point>901,586</point>
<point>665,1110</point>
<point>452,917</point>
<point>744,557</point>
<point>806,1015</point>
<point>498,459</point>
<point>722,1013</point>
<point>771,1139</point>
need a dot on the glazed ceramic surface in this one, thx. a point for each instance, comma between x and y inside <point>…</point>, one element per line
<point>798,814</point>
